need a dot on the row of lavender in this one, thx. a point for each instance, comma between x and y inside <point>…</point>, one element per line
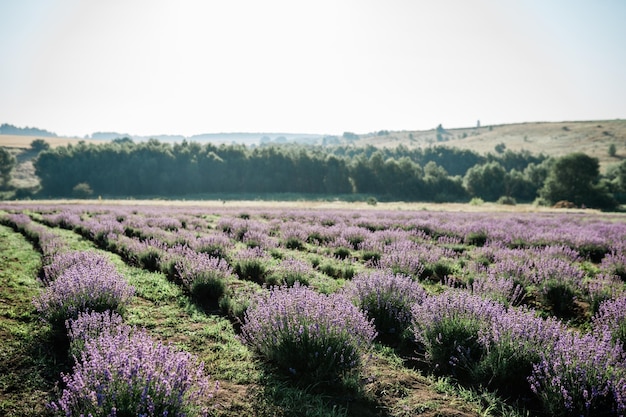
<point>461,332</point>
<point>566,266</point>
<point>118,369</point>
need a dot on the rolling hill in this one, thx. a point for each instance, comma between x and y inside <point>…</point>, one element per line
<point>550,138</point>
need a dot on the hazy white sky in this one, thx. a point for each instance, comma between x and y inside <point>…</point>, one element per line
<point>317,66</point>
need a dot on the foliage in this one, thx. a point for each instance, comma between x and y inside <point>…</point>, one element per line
<point>306,334</point>
<point>486,181</point>
<point>7,163</point>
<point>386,298</point>
<point>574,178</point>
<point>189,168</point>
<point>85,286</point>
<point>125,372</point>
<point>583,375</point>
<point>82,190</point>
<point>509,270</point>
<point>515,342</point>
<point>611,319</point>
<point>204,276</point>
<point>290,271</point>
<point>39,145</point>
<point>450,327</point>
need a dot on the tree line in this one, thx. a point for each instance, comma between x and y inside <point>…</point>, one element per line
<point>124,168</point>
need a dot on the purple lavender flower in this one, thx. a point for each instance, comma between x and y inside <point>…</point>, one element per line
<point>290,271</point>
<point>127,373</point>
<point>385,297</point>
<point>202,275</point>
<point>584,375</point>
<point>451,327</point>
<point>313,335</point>
<point>62,261</point>
<point>611,319</point>
<point>88,285</point>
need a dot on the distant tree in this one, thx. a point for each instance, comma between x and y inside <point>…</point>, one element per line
<point>537,173</point>
<point>39,145</point>
<point>519,186</point>
<point>575,177</point>
<point>612,150</point>
<point>350,135</point>
<point>486,181</point>
<point>620,178</point>
<point>82,190</point>
<point>123,141</point>
<point>7,163</point>
<point>500,148</point>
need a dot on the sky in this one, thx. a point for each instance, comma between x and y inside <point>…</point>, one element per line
<point>148,67</point>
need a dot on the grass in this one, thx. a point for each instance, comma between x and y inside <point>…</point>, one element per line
<point>29,369</point>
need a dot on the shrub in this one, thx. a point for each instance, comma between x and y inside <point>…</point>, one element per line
<point>371,257</point>
<point>250,265</point>
<point>506,200</point>
<point>385,298</point>
<point>83,287</point>
<point>294,243</point>
<point>91,325</point>
<point>499,288</point>
<point>602,288</point>
<point>127,373</point>
<point>559,281</point>
<point>236,299</point>
<point>309,335</point>
<point>402,259</point>
<point>611,319</point>
<point>449,327</point>
<point>62,261</point>
<point>216,245</point>
<point>290,271</point>
<point>477,238</point>
<point>614,264</point>
<point>202,275</point>
<point>515,341</point>
<point>583,375</point>
<point>341,253</point>
<point>150,258</point>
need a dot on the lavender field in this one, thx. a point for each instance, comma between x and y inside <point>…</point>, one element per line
<point>281,311</point>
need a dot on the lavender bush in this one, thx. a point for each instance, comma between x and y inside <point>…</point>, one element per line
<point>64,260</point>
<point>501,289</point>
<point>91,325</point>
<point>310,335</point>
<point>387,298</point>
<point>85,286</point>
<point>584,375</point>
<point>515,341</point>
<point>128,374</point>
<point>611,319</point>
<point>451,328</point>
<point>204,276</point>
<point>250,264</point>
<point>602,288</point>
<point>290,271</point>
<point>402,258</point>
